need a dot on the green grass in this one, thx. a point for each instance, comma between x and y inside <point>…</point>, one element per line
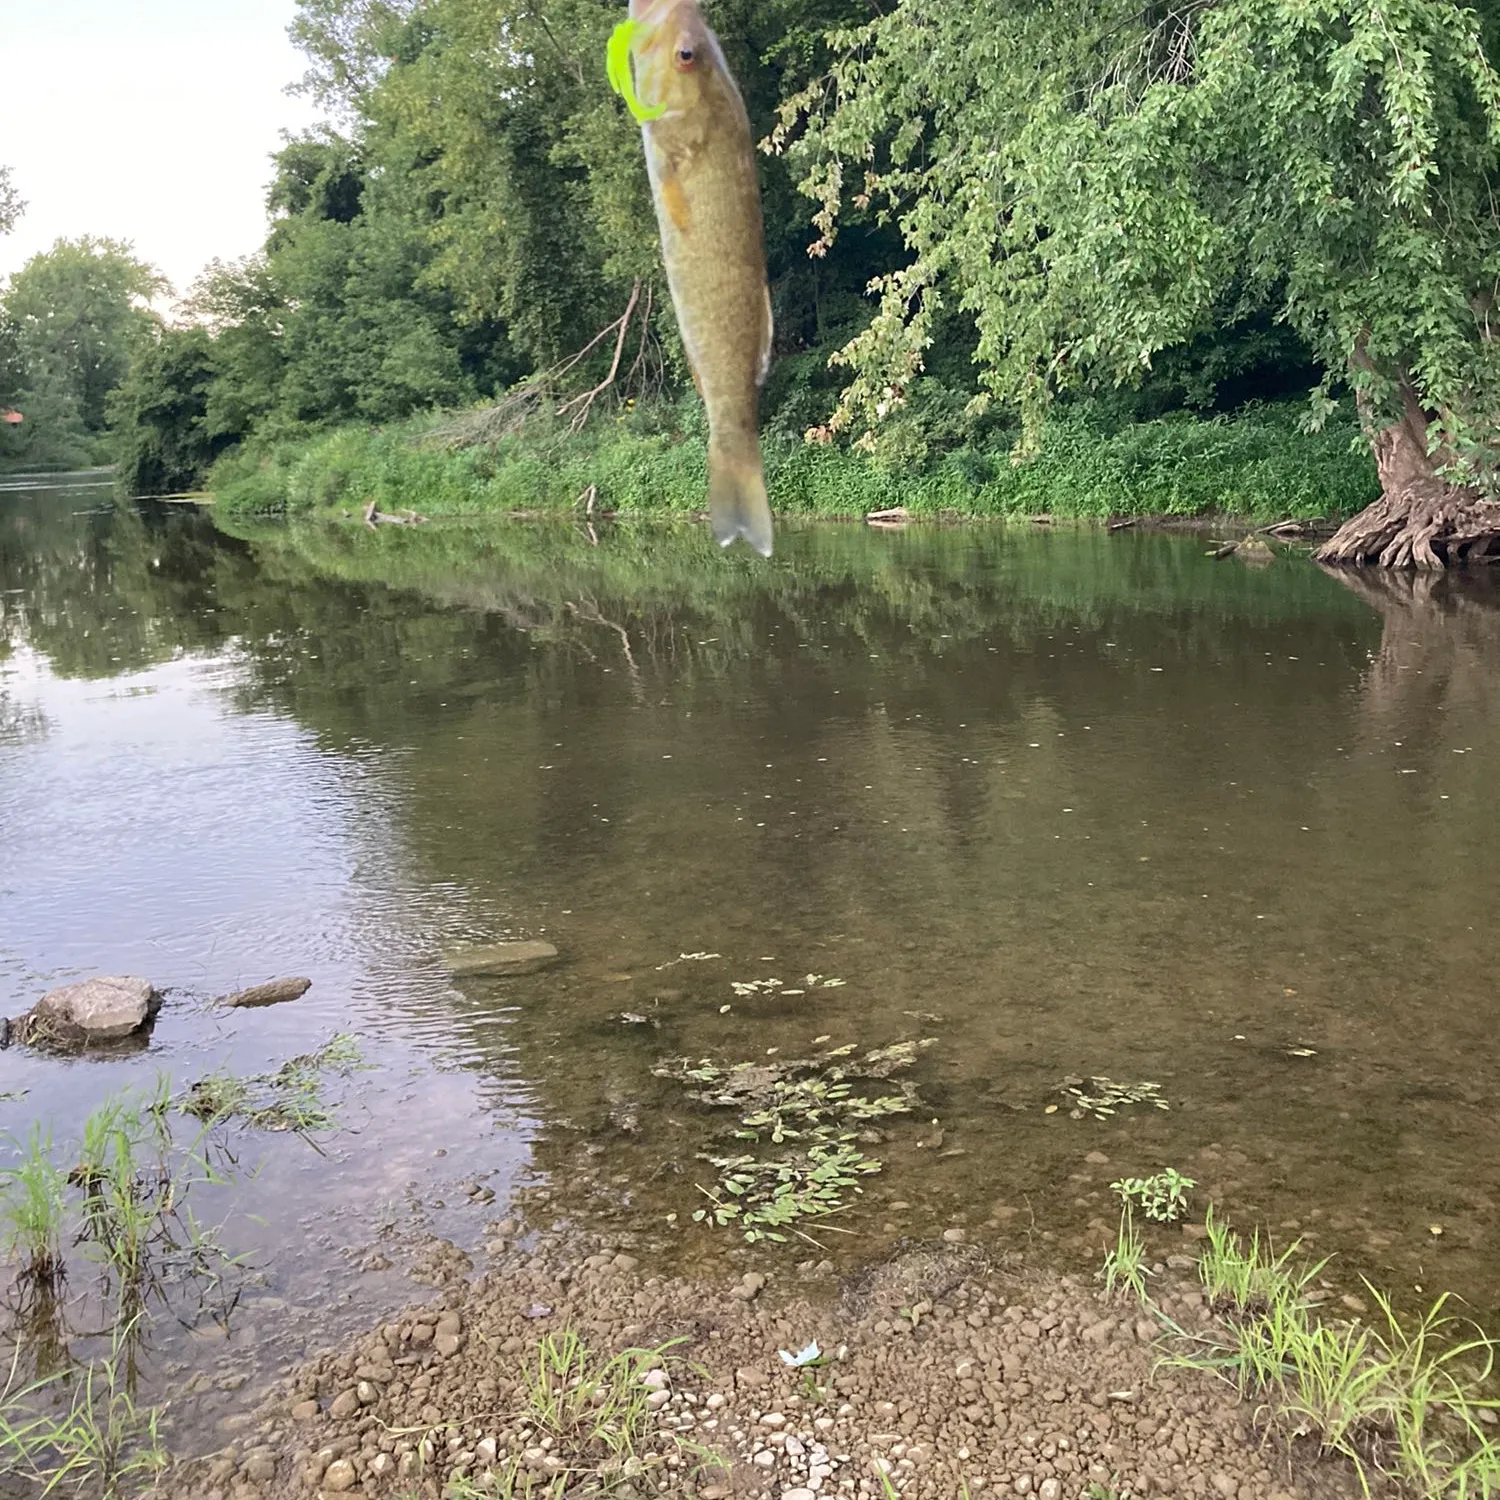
<point>80,1431</point>
<point>292,1098</point>
<point>1125,1265</point>
<point>33,1193</point>
<point>588,1416</point>
<point>1403,1397</point>
<point>1257,463</point>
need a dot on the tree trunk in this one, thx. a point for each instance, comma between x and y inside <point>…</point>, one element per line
<point>1421,519</point>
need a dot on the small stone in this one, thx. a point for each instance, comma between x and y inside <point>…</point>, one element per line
<point>658,1399</point>
<point>345,1404</point>
<point>339,1476</point>
<point>714,1400</point>
<point>305,1411</point>
<point>955,1236</point>
<point>1022,1484</point>
<point>750,1286</point>
<point>276,992</point>
<point>801,1493</point>
<point>421,1334</point>
<point>367,1393</point>
<point>450,1323</point>
<point>446,1344</point>
<point>260,1468</point>
<point>1049,1489</point>
<point>765,1459</point>
<point>1225,1484</point>
<point>485,1450</point>
<point>657,1380</point>
<point>1097,1159</point>
<point>773,1419</point>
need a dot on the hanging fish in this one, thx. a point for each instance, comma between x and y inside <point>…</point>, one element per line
<point>668,66</point>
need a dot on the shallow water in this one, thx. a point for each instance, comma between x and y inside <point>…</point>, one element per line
<point>1068,804</point>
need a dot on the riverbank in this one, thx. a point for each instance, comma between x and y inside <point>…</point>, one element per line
<point>939,1372</point>
<point>1257,463</point>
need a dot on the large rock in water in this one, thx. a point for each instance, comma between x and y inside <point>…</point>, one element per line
<point>501,959</point>
<point>98,1010</point>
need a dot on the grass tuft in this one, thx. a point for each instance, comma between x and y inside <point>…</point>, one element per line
<point>1402,1399</point>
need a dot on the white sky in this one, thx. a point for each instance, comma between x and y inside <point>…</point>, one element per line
<point>145,120</point>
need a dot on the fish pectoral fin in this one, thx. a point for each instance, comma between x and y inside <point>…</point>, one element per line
<point>675,201</point>
<point>768,333</point>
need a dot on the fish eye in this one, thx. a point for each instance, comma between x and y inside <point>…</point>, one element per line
<point>686,56</point>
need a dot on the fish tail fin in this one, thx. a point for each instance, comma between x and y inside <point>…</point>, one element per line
<point>737,503</point>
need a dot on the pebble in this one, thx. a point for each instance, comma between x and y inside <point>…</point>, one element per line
<point>764,1459</point>
<point>955,1236</point>
<point>345,1404</point>
<point>339,1476</point>
<point>799,1494</point>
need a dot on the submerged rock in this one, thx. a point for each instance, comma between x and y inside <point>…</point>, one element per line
<point>105,1009</point>
<point>273,992</point>
<point>501,959</point>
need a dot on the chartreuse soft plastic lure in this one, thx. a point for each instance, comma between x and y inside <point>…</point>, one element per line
<point>617,65</point>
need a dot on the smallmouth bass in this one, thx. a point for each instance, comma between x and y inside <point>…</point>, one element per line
<point>700,158</point>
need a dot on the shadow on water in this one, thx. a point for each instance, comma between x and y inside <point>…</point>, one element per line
<point>1070,804</point>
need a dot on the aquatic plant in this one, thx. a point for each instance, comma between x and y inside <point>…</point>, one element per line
<point>804,1106</point>
<point>765,1197</point>
<point>292,1098</point>
<point>1103,1097</point>
<point>32,1205</point>
<point>81,1431</point>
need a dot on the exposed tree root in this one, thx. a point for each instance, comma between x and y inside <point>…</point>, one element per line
<point>1425,524</point>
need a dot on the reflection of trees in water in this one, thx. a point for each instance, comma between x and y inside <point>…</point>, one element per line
<point>106,588</point>
<point>1439,646</point>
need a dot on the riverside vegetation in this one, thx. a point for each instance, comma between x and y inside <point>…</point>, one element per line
<point>99,1237</point>
<point>1019,262</point>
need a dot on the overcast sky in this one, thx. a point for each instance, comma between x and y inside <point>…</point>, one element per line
<point>145,120</point>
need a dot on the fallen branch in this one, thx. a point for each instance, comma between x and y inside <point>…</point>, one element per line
<point>374,517</point>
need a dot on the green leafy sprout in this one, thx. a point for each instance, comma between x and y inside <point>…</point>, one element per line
<point>617,66</point>
<point>1162,1197</point>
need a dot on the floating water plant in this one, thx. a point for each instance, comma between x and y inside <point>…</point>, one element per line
<point>291,1098</point>
<point>765,1197</point>
<point>1103,1097</point>
<point>803,1106</point>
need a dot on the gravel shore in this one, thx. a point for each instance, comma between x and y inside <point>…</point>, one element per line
<point>943,1373</point>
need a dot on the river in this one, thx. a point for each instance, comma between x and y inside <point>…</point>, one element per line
<point>1067,804</point>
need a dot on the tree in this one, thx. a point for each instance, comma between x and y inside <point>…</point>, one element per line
<point>1092,184</point>
<point>80,310</point>
<point>165,437</point>
<point>11,206</point>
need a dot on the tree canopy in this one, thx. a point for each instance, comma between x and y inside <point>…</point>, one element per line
<point>1012,205</point>
<point>71,321</point>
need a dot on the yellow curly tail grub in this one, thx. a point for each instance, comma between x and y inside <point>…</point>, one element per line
<point>617,67</point>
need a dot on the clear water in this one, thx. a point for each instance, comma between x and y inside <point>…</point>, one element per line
<point>1069,804</point>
